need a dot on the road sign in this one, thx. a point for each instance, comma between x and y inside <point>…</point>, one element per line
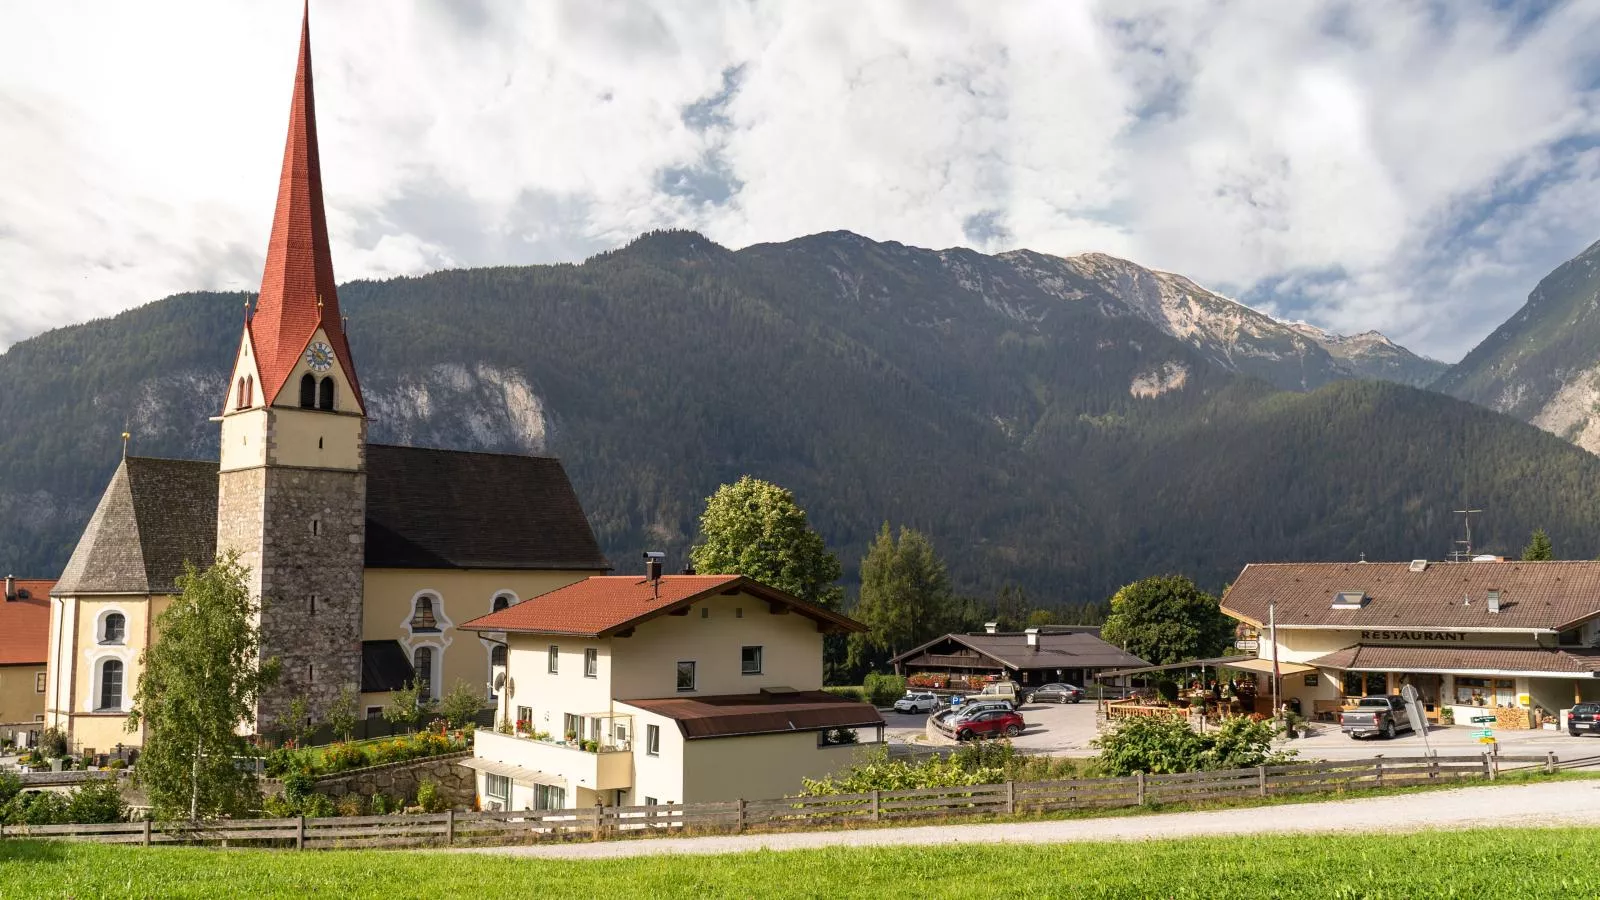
<point>1486,733</point>
<point>1409,693</point>
<point>1482,720</point>
<point>1486,740</point>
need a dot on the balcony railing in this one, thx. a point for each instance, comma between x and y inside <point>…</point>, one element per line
<point>603,768</point>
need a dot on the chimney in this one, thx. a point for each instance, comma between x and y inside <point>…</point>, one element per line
<point>1033,638</point>
<point>652,564</point>
<point>11,588</point>
<point>1494,600</point>
<point>688,568</point>
<point>991,627</point>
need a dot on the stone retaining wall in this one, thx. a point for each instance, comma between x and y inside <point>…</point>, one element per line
<point>456,782</point>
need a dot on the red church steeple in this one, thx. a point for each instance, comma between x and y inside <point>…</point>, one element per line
<point>298,294</point>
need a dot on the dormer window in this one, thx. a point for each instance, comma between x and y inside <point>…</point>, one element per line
<point>308,391</point>
<point>1349,600</point>
<point>422,618</point>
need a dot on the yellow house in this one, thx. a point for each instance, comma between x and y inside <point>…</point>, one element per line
<point>629,690</point>
<point>24,627</point>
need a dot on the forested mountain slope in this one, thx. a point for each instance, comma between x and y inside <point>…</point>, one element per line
<point>1038,429</point>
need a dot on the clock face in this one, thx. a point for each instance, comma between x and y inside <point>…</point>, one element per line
<point>319,356</point>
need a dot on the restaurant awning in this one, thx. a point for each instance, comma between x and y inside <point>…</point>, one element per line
<point>1211,663</point>
<point>1264,666</point>
<point>516,773</point>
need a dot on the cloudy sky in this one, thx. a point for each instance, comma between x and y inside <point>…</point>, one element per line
<point>1414,168</point>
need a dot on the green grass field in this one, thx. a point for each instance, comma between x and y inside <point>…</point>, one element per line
<point>1468,864</point>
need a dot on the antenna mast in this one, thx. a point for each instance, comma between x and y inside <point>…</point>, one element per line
<point>1466,545</point>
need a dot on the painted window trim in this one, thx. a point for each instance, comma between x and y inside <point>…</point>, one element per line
<point>100,626</point>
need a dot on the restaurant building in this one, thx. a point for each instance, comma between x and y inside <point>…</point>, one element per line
<point>1070,653</point>
<point>1470,636</point>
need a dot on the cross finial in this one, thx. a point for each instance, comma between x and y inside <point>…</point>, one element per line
<point>319,301</point>
<point>125,437</point>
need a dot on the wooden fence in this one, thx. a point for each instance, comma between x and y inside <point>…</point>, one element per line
<point>738,816</point>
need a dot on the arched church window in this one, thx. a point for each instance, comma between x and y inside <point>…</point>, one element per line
<point>497,656</point>
<point>422,661</point>
<point>249,391</point>
<point>308,391</point>
<point>116,628</point>
<point>240,402</point>
<point>110,685</point>
<point>325,394</point>
<point>501,602</point>
<point>422,617</point>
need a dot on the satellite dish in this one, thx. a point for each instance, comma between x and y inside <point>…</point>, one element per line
<point>499,680</point>
<point>511,687</point>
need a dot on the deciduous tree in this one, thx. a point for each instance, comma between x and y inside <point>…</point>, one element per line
<point>201,681</point>
<point>905,596</point>
<point>756,528</point>
<point>1167,619</point>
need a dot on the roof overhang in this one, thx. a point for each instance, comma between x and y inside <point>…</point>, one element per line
<point>1264,666</point>
<point>519,774</point>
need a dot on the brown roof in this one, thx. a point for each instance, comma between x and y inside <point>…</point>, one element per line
<point>603,605</point>
<point>25,625</point>
<point>1533,595</point>
<point>298,293</point>
<point>739,714</point>
<point>1363,658</point>
<point>1056,650</point>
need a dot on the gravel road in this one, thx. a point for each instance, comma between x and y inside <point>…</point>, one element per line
<point>1518,806</point>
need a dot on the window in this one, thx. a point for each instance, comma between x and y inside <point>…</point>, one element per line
<point>548,797</point>
<point>501,602</point>
<point>374,712</point>
<point>651,801</point>
<point>116,627</point>
<point>652,741</point>
<point>1486,691</point>
<point>497,656</point>
<point>239,403</point>
<point>422,661</point>
<point>308,391</point>
<point>524,718</point>
<point>1572,637</point>
<point>313,604</point>
<point>249,390</point>
<point>738,612</point>
<point>591,663</point>
<point>834,737</point>
<point>572,727</point>
<point>39,682</point>
<point>1377,684</point>
<point>311,673</point>
<point>555,659</point>
<point>110,685</point>
<point>705,612</point>
<point>325,394</point>
<point>750,661</point>
<point>686,675</point>
<point>1352,684</point>
<point>422,618</point>
<point>497,787</point>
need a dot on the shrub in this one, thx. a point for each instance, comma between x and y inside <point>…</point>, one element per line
<point>282,760</point>
<point>460,705</point>
<point>43,808</point>
<point>352,805</point>
<point>1158,745</point>
<point>97,801</point>
<point>10,786</point>
<point>297,786</point>
<point>1167,690</point>
<point>52,743</point>
<point>429,798</point>
<point>380,805</point>
<point>884,690</point>
<point>341,757</point>
<point>849,693</point>
<point>318,806</point>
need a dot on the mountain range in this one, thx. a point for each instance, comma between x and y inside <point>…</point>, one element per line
<point>1061,424</point>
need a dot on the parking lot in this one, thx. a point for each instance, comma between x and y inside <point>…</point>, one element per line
<point>1067,730</point>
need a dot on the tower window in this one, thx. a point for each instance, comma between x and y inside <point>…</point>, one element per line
<point>313,604</point>
<point>497,656</point>
<point>501,602</point>
<point>110,685</point>
<point>325,394</point>
<point>308,391</point>
<point>116,629</point>
<point>422,661</point>
<point>316,526</point>
<point>249,391</point>
<point>311,673</point>
<point>422,617</point>
<point>239,403</point>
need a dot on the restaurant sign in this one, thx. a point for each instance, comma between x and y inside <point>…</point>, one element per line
<point>1411,636</point>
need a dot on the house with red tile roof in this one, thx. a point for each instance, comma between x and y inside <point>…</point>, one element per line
<point>1471,637</point>
<point>641,690</point>
<point>24,651</point>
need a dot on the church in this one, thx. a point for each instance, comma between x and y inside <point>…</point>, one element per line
<point>365,557</point>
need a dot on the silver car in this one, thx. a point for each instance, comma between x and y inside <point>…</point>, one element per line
<point>917,701</point>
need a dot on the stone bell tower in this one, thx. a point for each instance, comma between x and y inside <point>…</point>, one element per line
<point>292,496</point>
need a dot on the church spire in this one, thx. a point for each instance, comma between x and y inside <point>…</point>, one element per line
<point>298,293</point>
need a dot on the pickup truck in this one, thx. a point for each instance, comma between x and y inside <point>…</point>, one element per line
<point>999,690</point>
<point>1376,715</point>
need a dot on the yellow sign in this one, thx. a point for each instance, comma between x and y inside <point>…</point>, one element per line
<point>1486,740</point>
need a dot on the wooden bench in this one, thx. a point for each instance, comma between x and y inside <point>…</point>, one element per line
<point>1326,710</point>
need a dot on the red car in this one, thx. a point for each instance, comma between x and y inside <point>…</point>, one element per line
<point>990,723</point>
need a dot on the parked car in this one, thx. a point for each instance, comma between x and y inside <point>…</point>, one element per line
<point>1376,715</point>
<point>990,723</point>
<point>1059,692</point>
<point>999,690</point>
<point>1584,717</point>
<point>949,719</point>
<point>917,701</point>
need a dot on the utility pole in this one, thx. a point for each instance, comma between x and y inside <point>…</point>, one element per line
<point>1272,634</point>
<point>1466,515</point>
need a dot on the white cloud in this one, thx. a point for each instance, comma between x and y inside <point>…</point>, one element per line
<point>1408,167</point>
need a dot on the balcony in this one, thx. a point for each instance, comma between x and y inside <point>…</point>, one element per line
<point>603,769</point>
